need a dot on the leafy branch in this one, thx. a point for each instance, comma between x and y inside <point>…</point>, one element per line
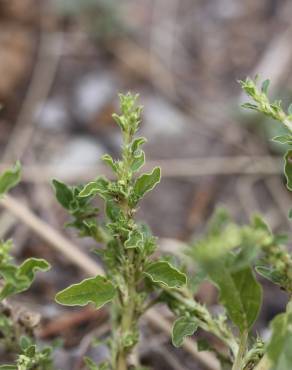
<point>17,336</point>
<point>132,276</point>
<point>277,261</point>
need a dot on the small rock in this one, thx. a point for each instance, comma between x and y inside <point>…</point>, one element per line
<point>161,119</point>
<point>93,93</point>
<point>79,152</point>
<point>53,115</point>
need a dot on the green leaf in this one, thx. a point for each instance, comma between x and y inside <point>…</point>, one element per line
<point>10,178</point>
<point>31,351</point>
<point>240,294</point>
<point>64,193</point>
<point>288,169</point>
<point>270,274</point>
<point>265,86</point>
<point>183,327</point>
<point>138,154</point>
<point>290,109</point>
<point>250,106</point>
<point>259,223</point>
<point>97,290</point>
<point>138,161</point>
<point>219,220</point>
<point>112,210</point>
<point>146,182</point>
<point>290,214</point>
<point>25,342</point>
<point>110,162</point>
<point>90,364</point>
<point>30,266</point>
<point>8,367</point>
<point>5,249</point>
<point>19,279</point>
<point>135,240</point>
<point>137,143</point>
<point>164,273</point>
<point>99,186</point>
<point>279,347</point>
<point>283,139</point>
<point>120,120</point>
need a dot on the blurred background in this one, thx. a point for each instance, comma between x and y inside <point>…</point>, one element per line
<point>62,63</point>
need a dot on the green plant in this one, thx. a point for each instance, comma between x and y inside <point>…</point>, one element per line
<point>278,262</point>
<point>16,332</point>
<point>134,281</point>
<point>228,255</point>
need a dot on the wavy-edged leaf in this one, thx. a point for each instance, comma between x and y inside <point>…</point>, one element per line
<point>184,326</point>
<point>138,161</point>
<point>10,178</point>
<point>135,240</point>
<point>110,162</point>
<point>63,192</point>
<point>146,183</point>
<point>270,274</point>
<point>19,279</point>
<point>240,293</point>
<point>90,364</point>
<point>288,169</point>
<point>283,139</point>
<point>99,186</point>
<point>30,266</point>
<point>97,290</point>
<point>137,143</point>
<point>164,273</point>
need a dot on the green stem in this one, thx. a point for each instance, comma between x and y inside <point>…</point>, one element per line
<point>241,351</point>
<point>128,304</point>
<point>128,317</point>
